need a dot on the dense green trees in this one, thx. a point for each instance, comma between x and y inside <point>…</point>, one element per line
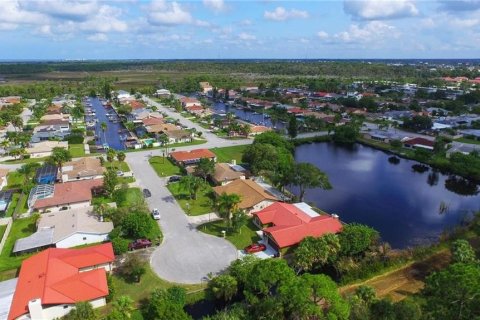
<point>59,157</point>
<point>191,184</point>
<point>355,239</point>
<point>167,304</point>
<point>308,176</point>
<point>204,168</point>
<point>417,123</point>
<point>315,252</point>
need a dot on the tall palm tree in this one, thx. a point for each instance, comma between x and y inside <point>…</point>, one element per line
<point>226,205</point>
<point>59,157</point>
<point>104,126</point>
<point>191,184</point>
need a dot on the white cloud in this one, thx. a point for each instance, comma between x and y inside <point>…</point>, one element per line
<point>373,31</point>
<point>282,14</point>
<point>246,36</point>
<point>246,22</point>
<point>201,23</point>
<point>215,5</point>
<point>98,37</point>
<point>380,9</point>
<point>162,13</point>
<point>64,10</point>
<point>322,35</point>
<point>459,5</point>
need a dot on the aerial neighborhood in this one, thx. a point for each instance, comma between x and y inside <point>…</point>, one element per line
<point>130,203</point>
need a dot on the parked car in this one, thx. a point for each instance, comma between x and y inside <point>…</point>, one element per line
<point>255,247</point>
<point>174,179</point>
<point>120,173</point>
<point>155,214</point>
<point>139,244</point>
<point>147,193</point>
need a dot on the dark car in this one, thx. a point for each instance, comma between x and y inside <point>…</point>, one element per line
<point>174,179</point>
<point>139,244</point>
<point>255,247</point>
<point>147,193</point>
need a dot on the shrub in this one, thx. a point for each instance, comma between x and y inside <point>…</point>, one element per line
<point>120,245</point>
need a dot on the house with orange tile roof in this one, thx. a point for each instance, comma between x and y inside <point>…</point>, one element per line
<point>51,282</point>
<point>285,225</point>
<point>253,197</point>
<point>186,158</point>
<point>63,196</point>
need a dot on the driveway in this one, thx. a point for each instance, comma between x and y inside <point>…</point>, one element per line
<point>186,255</point>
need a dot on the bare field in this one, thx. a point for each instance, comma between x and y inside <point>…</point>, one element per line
<point>403,282</point>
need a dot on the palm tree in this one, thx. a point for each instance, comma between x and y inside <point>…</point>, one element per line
<point>104,126</point>
<point>59,157</point>
<point>121,156</point>
<point>17,122</point>
<point>191,184</point>
<point>226,205</point>
<point>123,307</point>
<point>77,113</point>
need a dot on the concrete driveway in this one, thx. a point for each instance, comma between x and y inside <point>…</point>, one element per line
<point>186,255</point>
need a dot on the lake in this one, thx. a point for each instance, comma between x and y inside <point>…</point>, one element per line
<point>408,207</point>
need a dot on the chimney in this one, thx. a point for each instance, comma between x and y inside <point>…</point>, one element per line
<point>35,309</point>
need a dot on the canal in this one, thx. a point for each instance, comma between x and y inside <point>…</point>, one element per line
<point>408,203</point>
<point>115,132</point>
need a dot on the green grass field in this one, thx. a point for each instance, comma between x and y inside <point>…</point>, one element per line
<point>119,165</point>
<point>202,205</point>
<point>228,154</point>
<point>466,140</point>
<point>240,240</point>
<point>21,228</point>
<point>14,180</point>
<point>128,197</point>
<point>2,230</point>
<point>76,150</point>
<point>164,167</point>
<point>13,204</point>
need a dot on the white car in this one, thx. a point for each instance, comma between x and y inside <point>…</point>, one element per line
<point>156,214</point>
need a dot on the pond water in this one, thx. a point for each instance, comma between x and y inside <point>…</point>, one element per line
<point>409,203</point>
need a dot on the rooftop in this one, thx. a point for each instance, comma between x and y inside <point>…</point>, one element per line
<point>196,154</point>
<point>250,192</point>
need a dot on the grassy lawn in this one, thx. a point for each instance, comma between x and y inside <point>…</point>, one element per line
<point>149,281</point>
<point>164,167</point>
<point>119,165</point>
<point>466,140</point>
<point>20,229</point>
<point>201,205</point>
<point>240,240</point>
<point>13,204</point>
<point>2,230</point>
<point>193,143</point>
<point>122,180</point>
<point>128,197</point>
<point>228,154</point>
<point>14,180</point>
<point>76,150</point>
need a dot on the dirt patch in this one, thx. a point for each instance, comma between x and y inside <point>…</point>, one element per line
<point>400,283</point>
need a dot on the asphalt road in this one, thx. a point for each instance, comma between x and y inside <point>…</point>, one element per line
<point>185,255</point>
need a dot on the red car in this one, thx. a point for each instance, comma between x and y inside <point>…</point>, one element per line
<point>255,247</point>
<point>139,244</point>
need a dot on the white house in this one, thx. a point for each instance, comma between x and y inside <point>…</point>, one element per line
<point>44,148</point>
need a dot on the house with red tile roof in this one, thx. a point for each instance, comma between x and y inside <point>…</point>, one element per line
<point>51,282</point>
<point>286,225</point>
<point>61,196</point>
<point>186,158</point>
<point>418,143</point>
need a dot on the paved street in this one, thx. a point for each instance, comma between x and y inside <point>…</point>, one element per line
<point>186,255</point>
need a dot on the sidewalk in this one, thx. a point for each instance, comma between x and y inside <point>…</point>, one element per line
<point>204,218</point>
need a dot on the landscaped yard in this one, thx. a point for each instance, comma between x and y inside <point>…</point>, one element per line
<point>128,197</point>
<point>247,234</point>
<point>118,165</point>
<point>148,282</point>
<point>14,180</point>
<point>164,167</point>
<point>183,144</point>
<point>201,205</point>
<point>2,230</point>
<point>20,229</point>
<point>76,150</point>
<point>13,204</point>
<point>228,154</point>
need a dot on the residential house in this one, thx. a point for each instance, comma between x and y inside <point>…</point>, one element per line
<point>82,169</point>
<point>226,173</point>
<point>55,117</point>
<point>179,136</point>
<point>471,133</point>
<point>3,178</point>
<point>285,225</point>
<point>51,129</point>
<point>65,229</point>
<point>5,199</point>
<point>205,87</point>
<point>418,143</point>
<point>52,281</point>
<point>186,158</point>
<point>463,148</point>
<point>46,174</point>
<point>44,148</point>
<point>63,196</point>
<point>123,95</point>
<point>162,93</point>
<point>199,111</point>
<point>255,130</point>
<point>54,109</point>
<point>382,135</point>
<point>136,105</point>
<point>253,197</point>
<point>189,102</point>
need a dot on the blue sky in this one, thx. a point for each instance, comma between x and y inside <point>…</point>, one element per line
<point>161,29</point>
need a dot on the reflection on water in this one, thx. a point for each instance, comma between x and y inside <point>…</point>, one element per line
<point>399,202</point>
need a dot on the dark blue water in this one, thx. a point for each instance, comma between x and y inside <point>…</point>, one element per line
<point>112,137</point>
<point>246,115</point>
<point>407,207</point>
